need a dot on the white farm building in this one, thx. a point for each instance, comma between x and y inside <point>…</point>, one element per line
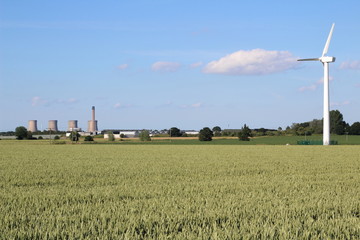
<point>124,133</point>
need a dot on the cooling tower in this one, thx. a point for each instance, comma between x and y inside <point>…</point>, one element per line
<point>32,126</point>
<point>72,125</point>
<point>53,125</point>
<point>92,124</point>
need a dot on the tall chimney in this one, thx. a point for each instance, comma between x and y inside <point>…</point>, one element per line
<point>93,113</point>
<point>92,124</point>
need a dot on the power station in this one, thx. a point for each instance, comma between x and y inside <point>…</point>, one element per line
<point>72,125</point>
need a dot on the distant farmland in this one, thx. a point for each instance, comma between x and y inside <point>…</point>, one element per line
<point>178,191</point>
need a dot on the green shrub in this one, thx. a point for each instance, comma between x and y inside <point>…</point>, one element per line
<point>88,139</point>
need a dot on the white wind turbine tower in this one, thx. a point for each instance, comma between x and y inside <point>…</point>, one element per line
<point>325,61</point>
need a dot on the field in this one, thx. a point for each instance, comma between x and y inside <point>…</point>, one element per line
<point>128,191</point>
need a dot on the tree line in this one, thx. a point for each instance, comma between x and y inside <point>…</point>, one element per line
<point>337,126</point>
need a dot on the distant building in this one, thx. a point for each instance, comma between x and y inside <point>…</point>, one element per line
<point>125,133</point>
<point>191,132</point>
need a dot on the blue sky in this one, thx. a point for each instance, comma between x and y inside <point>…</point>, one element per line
<point>190,64</point>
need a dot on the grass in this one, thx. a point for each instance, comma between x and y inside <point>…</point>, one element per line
<point>178,192</point>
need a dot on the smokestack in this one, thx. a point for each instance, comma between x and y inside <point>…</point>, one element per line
<point>92,124</point>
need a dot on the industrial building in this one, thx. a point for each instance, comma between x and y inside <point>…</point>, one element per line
<point>118,133</point>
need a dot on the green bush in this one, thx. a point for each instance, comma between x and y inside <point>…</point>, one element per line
<point>88,139</point>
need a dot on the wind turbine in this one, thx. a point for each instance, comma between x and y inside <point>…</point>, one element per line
<point>325,61</point>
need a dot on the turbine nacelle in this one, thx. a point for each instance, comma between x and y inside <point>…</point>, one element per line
<point>327,59</point>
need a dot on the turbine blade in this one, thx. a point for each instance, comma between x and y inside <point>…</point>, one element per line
<point>309,59</point>
<point>328,40</point>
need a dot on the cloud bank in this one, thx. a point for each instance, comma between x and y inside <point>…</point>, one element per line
<point>252,62</point>
<point>39,101</point>
<point>352,65</point>
<point>165,66</point>
<point>339,104</point>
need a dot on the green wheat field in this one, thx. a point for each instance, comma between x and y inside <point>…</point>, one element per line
<point>94,191</point>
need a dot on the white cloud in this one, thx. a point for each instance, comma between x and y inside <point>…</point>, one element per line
<point>165,66</point>
<point>314,86</point>
<point>321,80</point>
<point>72,100</point>
<point>308,88</point>
<point>67,101</point>
<point>338,104</point>
<point>37,101</point>
<point>252,62</point>
<point>195,65</point>
<point>194,105</point>
<point>121,105</point>
<point>352,65</point>
<point>123,66</point>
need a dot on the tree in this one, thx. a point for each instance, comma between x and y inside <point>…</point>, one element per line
<point>74,136</point>
<point>245,133</point>
<point>21,133</point>
<point>355,129</point>
<point>217,131</point>
<point>261,132</point>
<point>205,134</point>
<point>111,137</point>
<point>174,132</point>
<point>316,126</point>
<point>144,136</point>
<point>56,137</point>
<point>337,124</point>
